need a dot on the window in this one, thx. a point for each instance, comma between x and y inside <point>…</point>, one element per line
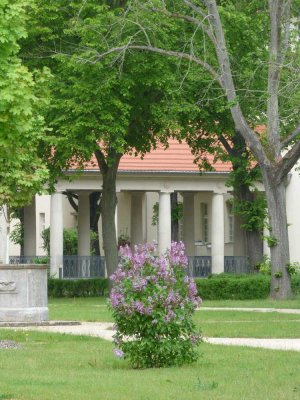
<point>42,226</point>
<point>204,222</point>
<point>230,221</point>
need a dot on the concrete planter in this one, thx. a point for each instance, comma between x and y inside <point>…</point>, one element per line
<point>23,293</point>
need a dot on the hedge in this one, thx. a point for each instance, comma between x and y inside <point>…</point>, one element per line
<point>77,288</point>
<point>239,287</point>
<point>216,287</point>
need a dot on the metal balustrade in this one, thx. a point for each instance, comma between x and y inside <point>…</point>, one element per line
<point>237,265</point>
<point>199,266</point>
<point>75,267</point>
<point>83,267</point>
<point>29,260</point>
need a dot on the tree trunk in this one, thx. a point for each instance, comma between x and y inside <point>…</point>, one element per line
<point>243,193</point>
<point>94,218</point>
<point>254,245</point>
<point>278,239</point>
<point>108,208</point>
<point>174,221</point>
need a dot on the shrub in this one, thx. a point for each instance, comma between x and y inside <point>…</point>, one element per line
<point>234,287</point>
<point>77,288</point>
<point>152,302</point>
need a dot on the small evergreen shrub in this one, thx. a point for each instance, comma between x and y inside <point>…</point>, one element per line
<point>234,287</point>
<point>152,302</point>
<point>77,288</point>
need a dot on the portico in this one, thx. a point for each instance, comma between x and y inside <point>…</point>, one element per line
<point>203,235</point>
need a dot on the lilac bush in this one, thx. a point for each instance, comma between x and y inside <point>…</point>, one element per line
<point>152,301</point>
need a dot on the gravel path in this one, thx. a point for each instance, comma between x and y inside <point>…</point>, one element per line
<point>253,309</point>
<point>9,344</point>
<point>105,330</point>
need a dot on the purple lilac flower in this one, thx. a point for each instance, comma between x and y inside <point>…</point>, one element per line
<point>176,254</point>
<point>194,339</point>
<point>118,276</point>
<point>192,288</point>
<point>119,353</point>
<point>125,251</point>
<point>139,284</point>
<point>116,298</point>
<point>139,307</point>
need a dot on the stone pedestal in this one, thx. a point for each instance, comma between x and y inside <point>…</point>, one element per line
<point>23,293</point>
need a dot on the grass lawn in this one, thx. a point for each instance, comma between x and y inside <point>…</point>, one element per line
<point>265,303</point>
<point>65,367</point>
<point>213,323</point>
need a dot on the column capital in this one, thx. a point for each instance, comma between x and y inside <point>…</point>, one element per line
<point>166,191</point>
<point>219,192</point>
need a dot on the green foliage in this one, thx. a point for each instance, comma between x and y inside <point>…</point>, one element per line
<point>293,268</point>
<point>176,212</point>
<point>265,266</point>
<point>77,288</point>
<point>70,240</point>
<point>278,274</point>
<point>95,103</point>
<point>232,287</point>
<point>123,240</point>
<point>17,234</point>
<point>22,174</point>
<point>222,287</point>
<point>271,240</point>
<point>239,287</point>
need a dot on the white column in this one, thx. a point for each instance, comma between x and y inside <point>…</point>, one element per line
<point>84,234</point>
<point>189,223</point>
<point>56,234</point>
<point>30,242</point>
<point>4,238</point>
<point>116,222</point>
<point>217,237</point>
<point>164,217</point>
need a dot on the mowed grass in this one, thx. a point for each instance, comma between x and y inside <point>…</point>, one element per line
<point>260,303</point>
<point>212,323</point>
<point>65,367</point>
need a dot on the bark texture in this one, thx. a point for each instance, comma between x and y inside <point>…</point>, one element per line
<point>108,207</point>
<point>278,241</point>
<point>174,221</point>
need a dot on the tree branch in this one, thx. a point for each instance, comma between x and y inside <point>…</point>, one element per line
<point>227,83</point>
<point>71,197</point>
<point>176,54</point>
<point>189,19</point>
<point>292,136</point>
<point>226,145</point>
<point>195,8</point>
<point>102,164</point>
<point>288,161</point>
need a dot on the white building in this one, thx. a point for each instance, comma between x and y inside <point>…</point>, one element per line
<point>208,227</point>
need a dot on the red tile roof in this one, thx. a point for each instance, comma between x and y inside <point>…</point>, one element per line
<point>176,158</point>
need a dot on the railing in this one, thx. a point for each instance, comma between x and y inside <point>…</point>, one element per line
<point>83,267</point>
<point>29,260</point>
<point>237,265</point>
<point>94,266</point>
<point>199,266</point>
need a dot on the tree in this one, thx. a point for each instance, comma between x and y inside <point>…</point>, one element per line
<point>22,173</point>
<point>278,148</point>
<point>97,109</point>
